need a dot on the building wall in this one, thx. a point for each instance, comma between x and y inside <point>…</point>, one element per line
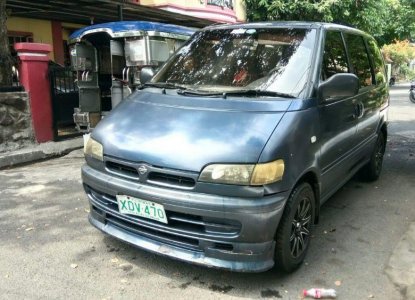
<point>68,28</point>
<point>240,8</point>
<point>56,33</point>
<point>221,12</point>
<point>44,31</point>
<point>40,29</point>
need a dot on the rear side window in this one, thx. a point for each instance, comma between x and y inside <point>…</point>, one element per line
<point>334,58</point>
<point>359,59</point>
<point>378,66</point>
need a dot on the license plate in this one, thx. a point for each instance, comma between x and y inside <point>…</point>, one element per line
<point>142,208</point>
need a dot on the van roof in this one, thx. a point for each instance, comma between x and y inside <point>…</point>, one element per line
<point>283,24</point>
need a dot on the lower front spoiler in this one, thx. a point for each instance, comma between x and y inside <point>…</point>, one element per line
<point>238,262</point>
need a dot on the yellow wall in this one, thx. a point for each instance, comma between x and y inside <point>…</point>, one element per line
<point>154,2</point>
<point>240,9</point>
<point>65,34</point>
<point>185,3</point>
<point>67,28</point>
<point>41,29</point>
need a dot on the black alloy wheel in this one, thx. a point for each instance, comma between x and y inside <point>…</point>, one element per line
<point>300,228</point>
<point>294,231</point>
<point>371,171</point>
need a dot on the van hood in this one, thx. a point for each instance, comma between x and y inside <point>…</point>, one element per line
<point>188,133</point>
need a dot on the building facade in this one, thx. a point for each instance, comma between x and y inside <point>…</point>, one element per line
<point>220,11</point>
<point>30,22</point>
<point>50,32</point>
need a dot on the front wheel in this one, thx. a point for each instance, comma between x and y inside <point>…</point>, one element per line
<point>294,231</point>
<point>412,96</point>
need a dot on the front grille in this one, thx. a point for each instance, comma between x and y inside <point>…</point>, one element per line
<point>121,169</point>
<point>171,180</point>
<point>156,176</point>
<point>179,224</point>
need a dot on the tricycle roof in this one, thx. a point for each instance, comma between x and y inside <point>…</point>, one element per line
<point>131,28</point>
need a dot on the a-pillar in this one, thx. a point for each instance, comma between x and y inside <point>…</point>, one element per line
<point>34,78</point>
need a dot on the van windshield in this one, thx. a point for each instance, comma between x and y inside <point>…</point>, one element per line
<point>225,60</point>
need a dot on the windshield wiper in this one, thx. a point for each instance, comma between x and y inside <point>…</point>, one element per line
<point>258,93</point>
<point>251,93</point>
<point>163,85</point>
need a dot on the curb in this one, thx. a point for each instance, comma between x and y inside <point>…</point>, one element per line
<point>39,152</point>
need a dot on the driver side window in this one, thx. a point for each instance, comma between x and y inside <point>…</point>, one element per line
<point>334,57</point>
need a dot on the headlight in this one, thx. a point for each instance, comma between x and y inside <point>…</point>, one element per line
<point>251,174</point>
<point>229,174</point>
<point>94,149</point>
<point>268,173</point>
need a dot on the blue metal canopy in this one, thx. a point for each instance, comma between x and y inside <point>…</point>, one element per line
<point>115,28</point>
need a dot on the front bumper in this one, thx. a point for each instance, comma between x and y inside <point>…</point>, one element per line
<point>215,231</point>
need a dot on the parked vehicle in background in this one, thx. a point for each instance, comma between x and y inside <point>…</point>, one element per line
<point>392,81</point>
<point>225,156</point>
<point>412,91</point>
<point>108,58</point>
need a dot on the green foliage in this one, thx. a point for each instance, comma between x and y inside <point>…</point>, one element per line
<point>386,20</point>
<point>400,53</point>
<point>401,23</point>
<point>406,72</point>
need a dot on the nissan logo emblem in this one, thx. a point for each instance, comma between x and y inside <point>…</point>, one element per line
<point>142,170</point>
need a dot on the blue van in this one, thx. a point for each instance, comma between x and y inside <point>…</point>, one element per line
<point>224,157</point>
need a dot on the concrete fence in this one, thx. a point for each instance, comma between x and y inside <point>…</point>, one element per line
<point>15,121</point>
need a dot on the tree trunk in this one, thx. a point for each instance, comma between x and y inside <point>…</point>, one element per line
<point>5,58</point>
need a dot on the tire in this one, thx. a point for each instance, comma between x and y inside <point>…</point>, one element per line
<point>294,231</point>
<point>412,96</point>
<point>372,170</point>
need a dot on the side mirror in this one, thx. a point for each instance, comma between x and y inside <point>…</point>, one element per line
<point>340,85</point>
<point>146,74</point>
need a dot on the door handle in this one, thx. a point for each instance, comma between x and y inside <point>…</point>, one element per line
<point>359,110</point>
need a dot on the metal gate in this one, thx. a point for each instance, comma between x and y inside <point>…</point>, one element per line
<point>65,97</point>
